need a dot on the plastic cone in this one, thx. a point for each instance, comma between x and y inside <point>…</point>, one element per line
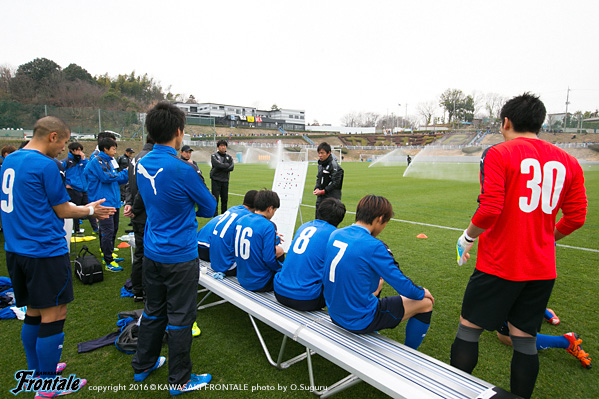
<point>421,235</point>
<point>123,245</point>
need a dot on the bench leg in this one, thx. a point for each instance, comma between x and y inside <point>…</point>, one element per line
<point>280,364</point>
<point>339,386</point>
<point>200,306</point>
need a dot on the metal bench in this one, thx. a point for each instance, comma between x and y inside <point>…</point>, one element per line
<point>389,366</point>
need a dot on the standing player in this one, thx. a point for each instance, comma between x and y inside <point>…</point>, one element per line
<point>34,201</point>
<point>170,188</point>
<point>76,183</point>
<point>525,182</point>
<point>299,283</point>
<point>104,181</point>
<point>222,166</point>
<point>329,179</point>
<point>136,210</point>
<point>222,236</point>
<point>355,267</point>
<point>256,251</point>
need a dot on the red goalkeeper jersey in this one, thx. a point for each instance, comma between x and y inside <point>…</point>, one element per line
<point>524,183</point>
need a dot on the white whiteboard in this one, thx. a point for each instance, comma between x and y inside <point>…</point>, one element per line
<point>288,183</point>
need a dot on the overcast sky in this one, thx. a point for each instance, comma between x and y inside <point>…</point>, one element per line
<point>326,57</point>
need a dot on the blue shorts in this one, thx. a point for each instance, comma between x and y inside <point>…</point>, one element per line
<point>40,283</point>
<point>389,312</point>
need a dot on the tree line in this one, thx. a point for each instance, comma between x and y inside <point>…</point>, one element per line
<point>43,81</point>
<point>456,107</point>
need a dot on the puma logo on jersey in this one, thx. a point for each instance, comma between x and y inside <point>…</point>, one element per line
<point>145,173</point>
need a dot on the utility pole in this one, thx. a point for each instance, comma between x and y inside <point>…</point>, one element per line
<point>567,103</point>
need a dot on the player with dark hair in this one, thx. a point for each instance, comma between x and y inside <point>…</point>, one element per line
<point>299,283</point>
<point>104,181</point>
<point>329,179</point>
<point>34,201</point>
<point>170,188</point>
<point>222,166</point>
<point>136,210</point>
<point>256,251</point>
<point>525,182</point>
<point>102,136</point>
<point>356,265</point>
<point>76,183</point>
<point>218,237</point>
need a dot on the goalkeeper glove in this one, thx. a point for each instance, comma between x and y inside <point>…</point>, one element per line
<point>463,246</point>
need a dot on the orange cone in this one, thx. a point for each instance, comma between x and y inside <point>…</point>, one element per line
<point>421,235</point>
<point>123,245</point>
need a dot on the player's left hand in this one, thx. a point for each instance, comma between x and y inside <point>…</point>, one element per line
<point>464,245</point>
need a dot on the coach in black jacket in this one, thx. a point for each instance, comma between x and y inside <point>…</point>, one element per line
<point>329,179</point>
<point>222,165</point>
<point>135,209</point>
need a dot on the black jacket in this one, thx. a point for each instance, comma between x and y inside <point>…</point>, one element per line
<point>132,196</point>
<point>329,177</point>
<point>222,165</point>
<point>124,161</point>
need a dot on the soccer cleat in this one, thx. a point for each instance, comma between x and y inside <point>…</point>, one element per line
<point>113,267</point>
<point>55,394</point>
<point>115,250</point>
<point>138,298</point>
<point>197,381</point>
<point>60,367</point>
<point>139,377</point>
<point>117,259</point>
<point>195,330</point>
<point>576,350</point>
<point>552,319</point>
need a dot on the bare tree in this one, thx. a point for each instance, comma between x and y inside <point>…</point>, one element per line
<point>6,75</point>
<point>427,111</point>
<point>351,119</point>
<point>493,104</point>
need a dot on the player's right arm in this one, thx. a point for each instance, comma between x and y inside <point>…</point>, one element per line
<point>69,210</point>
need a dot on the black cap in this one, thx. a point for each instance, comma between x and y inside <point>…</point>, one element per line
<point>186,148</point>
<point>129,149</point>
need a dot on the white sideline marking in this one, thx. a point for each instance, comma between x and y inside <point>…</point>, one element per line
<point>449,228</point>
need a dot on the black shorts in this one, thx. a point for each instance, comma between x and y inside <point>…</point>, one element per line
<point>490,300</point>
<point>389,312</point>
<point>40,283</point>
<point>305,305</point>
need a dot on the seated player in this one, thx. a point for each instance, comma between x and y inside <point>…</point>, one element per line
<point>355,263</point>
<point>255,246</point>
<point>221,236</point>
<point>204,238</point>
<point>299,283</point>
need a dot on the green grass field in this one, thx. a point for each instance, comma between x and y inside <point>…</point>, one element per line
<point>230,351</point>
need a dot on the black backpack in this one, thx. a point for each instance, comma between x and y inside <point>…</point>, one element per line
<point>87,268</point>
<point>127,339</point>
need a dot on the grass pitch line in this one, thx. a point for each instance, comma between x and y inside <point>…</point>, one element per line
<point>447,228</point>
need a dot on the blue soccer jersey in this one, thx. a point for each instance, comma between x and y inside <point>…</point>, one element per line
<point>170,189</point>
<point>301,275</point>
<point>255,251</point>
<point>354,263</point>
<point>32,183</point>
<point>205,233</point>
<point>222,242</point>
